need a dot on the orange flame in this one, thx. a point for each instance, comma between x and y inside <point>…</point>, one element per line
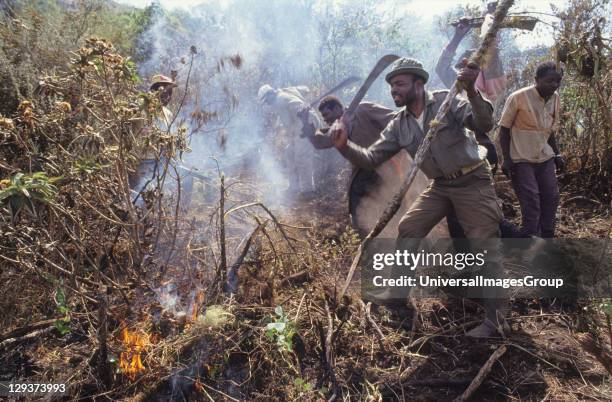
<point>130,360</point>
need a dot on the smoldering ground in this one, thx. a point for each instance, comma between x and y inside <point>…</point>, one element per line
<point>79,299</point>
<point>243,44</point>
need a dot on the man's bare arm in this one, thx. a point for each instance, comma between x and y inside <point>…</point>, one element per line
<point>504,142</point>
<point>559,159</point>
<point>320,139</point>
<point>444,67</point>
<point>552,141</point>
<point>367,158</point>
<point>479,117</point>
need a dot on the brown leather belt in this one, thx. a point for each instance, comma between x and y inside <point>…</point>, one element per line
<point>465,170</point>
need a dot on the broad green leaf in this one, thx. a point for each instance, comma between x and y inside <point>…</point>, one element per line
<point>279,311</point>
<point>60,297</point>
<point>276,326</point>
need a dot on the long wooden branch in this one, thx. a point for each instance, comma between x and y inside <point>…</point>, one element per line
<point>482,373</point>
<point>396,202</point>
<point>16,333</point>
<point>231,282</point>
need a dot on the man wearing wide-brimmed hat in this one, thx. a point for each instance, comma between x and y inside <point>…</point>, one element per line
<point>164,86</point>
<point>461,177</point>
<point>149,167</point>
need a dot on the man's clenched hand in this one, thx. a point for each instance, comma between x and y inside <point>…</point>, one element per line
<point>467,76</point>
<point>339,134</point>
<point>462,28</point>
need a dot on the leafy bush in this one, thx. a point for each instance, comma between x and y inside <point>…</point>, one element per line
<point>586,94</point>
<point>67,154</point>
<point>24,190</point>
<point>36,37</point>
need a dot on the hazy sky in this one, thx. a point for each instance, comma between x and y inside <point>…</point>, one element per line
<point>427,9</point>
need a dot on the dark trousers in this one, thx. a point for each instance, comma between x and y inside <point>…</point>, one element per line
<point>535,185</point>
<point>507,229</point>
<point>363,182</point>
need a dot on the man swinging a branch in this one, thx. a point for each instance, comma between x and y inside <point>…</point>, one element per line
<point>461,175</point>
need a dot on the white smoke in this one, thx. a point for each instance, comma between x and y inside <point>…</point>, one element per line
<point>281,43</point>
<point>276,45</point>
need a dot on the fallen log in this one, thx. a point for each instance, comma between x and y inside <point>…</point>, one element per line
<point>11,341</point>
<point>27,329</point>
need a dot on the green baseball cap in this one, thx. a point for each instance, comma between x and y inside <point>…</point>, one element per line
<point>407,65</point>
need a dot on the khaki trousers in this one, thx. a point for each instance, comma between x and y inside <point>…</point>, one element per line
<point>475,202</point>
<point>473,198</point>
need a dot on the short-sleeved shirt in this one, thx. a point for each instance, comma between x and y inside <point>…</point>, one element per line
<point>531,120</point>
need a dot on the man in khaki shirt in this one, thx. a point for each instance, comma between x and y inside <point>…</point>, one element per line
<point>528,123</point>
<point>461,177</point>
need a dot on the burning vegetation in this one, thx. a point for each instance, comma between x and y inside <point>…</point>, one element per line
<point>130,361</point>
<point>209,279</point>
